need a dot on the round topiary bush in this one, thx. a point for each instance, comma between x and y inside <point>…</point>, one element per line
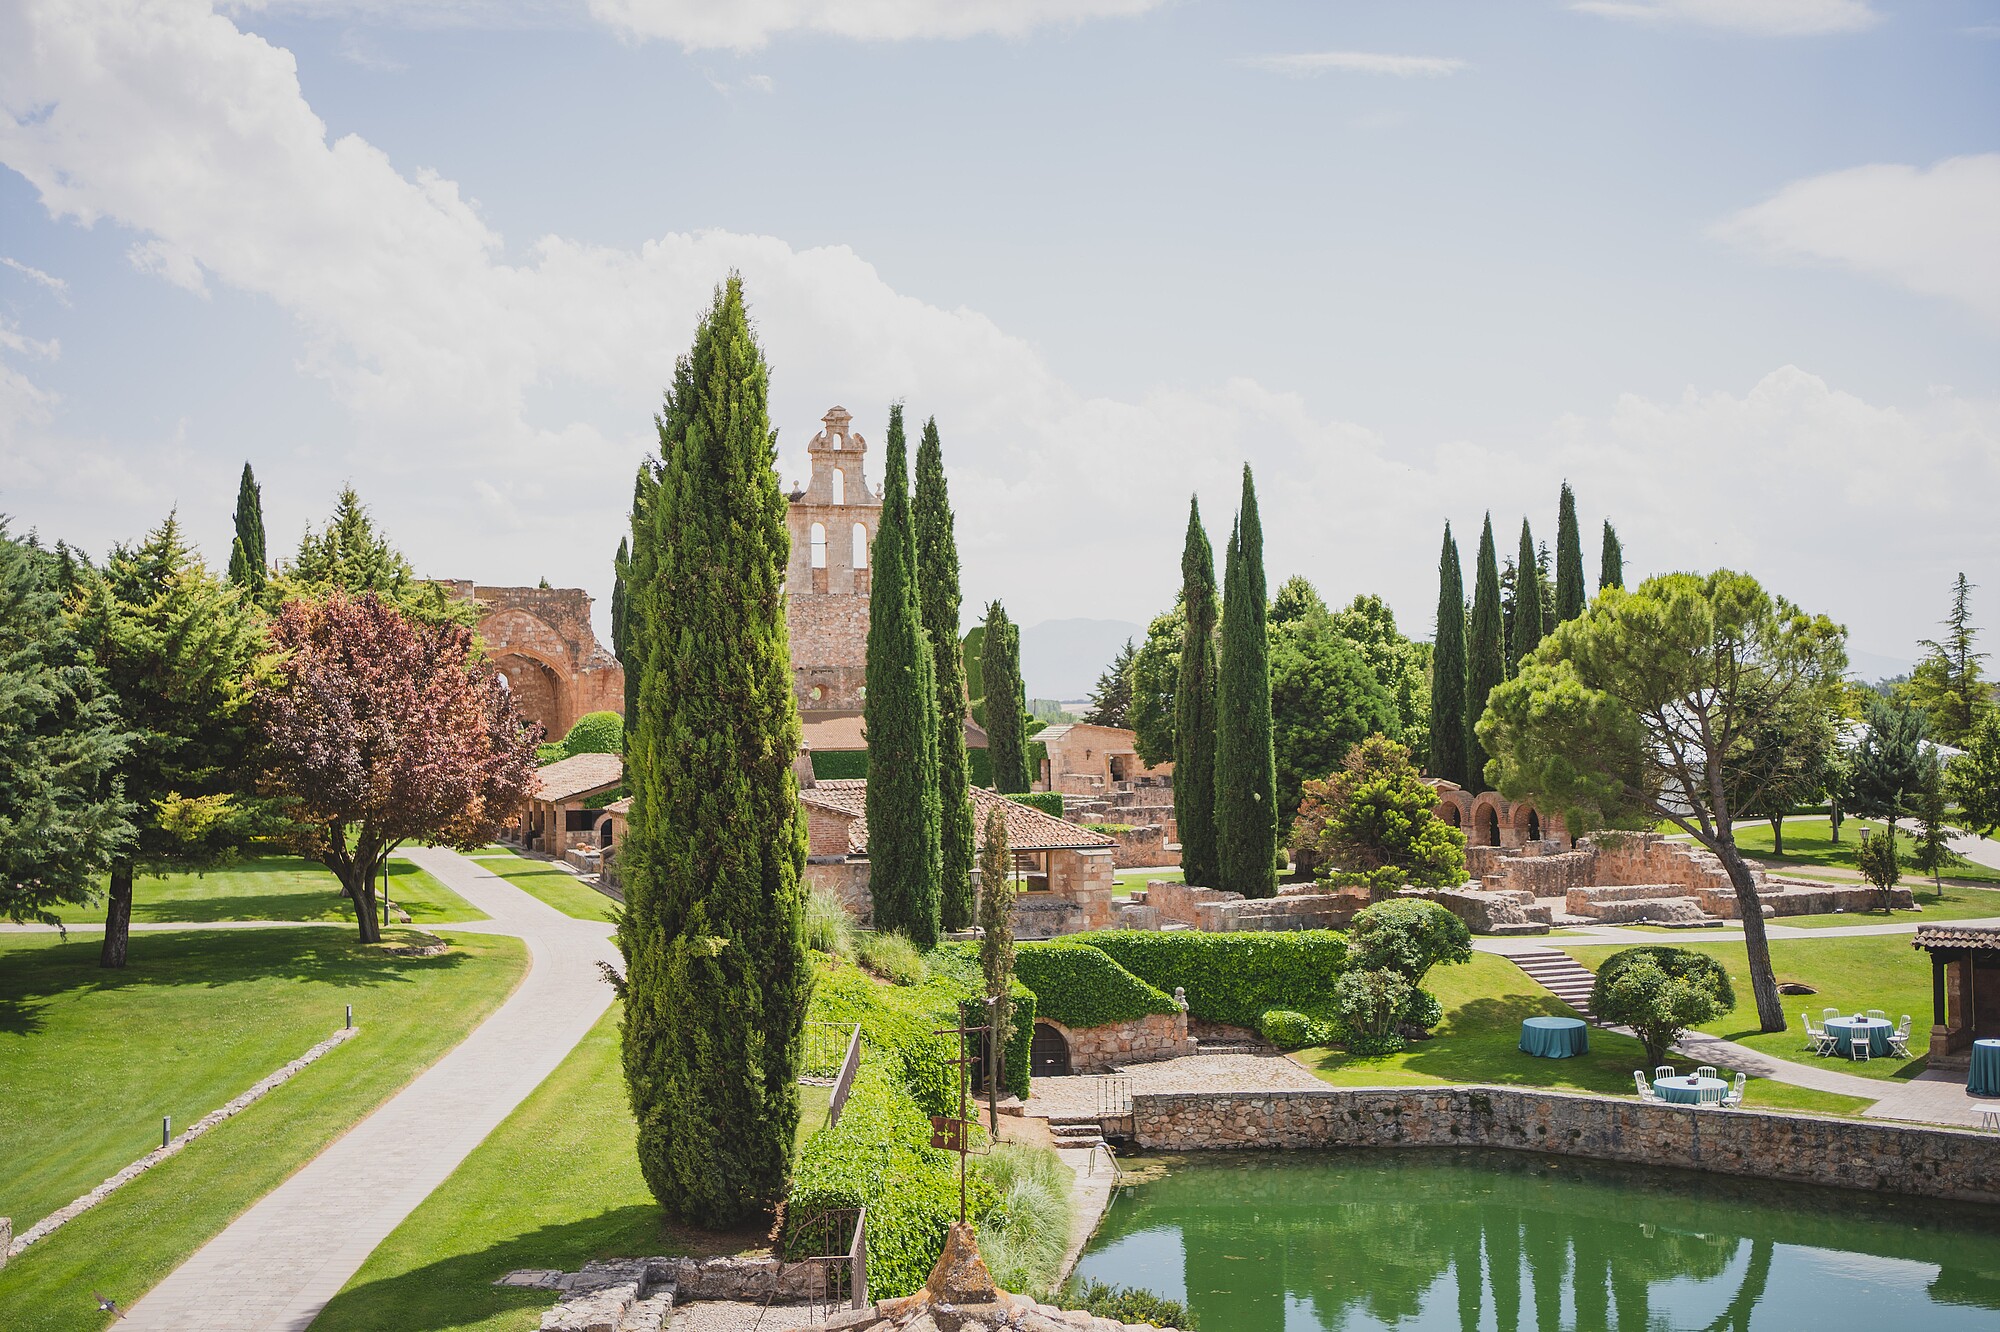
<point>1660,992</point>
<point>1286,1029</point>
<point>595,733</point>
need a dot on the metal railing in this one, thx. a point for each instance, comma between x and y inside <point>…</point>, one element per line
<point>837,1239</point>
<point>844,1083</point>
<point>1114,1097</point>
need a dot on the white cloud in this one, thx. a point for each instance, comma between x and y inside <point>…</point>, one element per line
<point>1935,231</point>
<point>37,276</point>
<point>1304,63</point>
<point>1777,18</point>
<point>492,407</point>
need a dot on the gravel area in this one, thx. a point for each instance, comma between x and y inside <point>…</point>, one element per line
<point>745,1316</point>
<point>1080,1096</point>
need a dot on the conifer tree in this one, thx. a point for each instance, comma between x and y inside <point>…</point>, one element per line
<point>937,591</point>
<point>1570,595</point>
<point>1527,623</point>
<point>640,567</point>
<point>1448,725</point>
<point>713,936</point>
<point>900,717</point>
<point>1111,700</point>
<point>1194,708</point>
<point>620,566</point>
<point>996,951</point>
<point>1486,655</point>
<point>249,562</point>
<point>1611,563</point>
<point>1246,779</point>
<point>1006,701</point>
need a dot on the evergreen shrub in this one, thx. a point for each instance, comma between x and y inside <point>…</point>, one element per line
<point>1232,977</point>
<point>1127,1304</point>
<point>1291,1030</point>
<point>1080,986</point>
<point>839,764</point>
<point>1049,802</point>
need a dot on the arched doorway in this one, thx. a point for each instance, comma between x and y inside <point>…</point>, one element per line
<point>1492,828</point>
<point>1534,826</point>
<point>1048,1057</point>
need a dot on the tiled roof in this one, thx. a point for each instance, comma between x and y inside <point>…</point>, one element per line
<point>834,731</point>
<point>621,808</point>
<point>1027,829</point>
<point>1957,936</point>
<point>584,774</point>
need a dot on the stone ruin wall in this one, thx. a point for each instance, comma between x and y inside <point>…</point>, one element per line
<point>1103,1049</point>
<point>1178,904</point>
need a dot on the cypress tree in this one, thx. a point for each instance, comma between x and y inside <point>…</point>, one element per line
<point>1611,564</point>
<point>1006,701</point>
<point>1527,603</point>
<point>249,564</point>
<point>1448,669</point>
<point>1570,595</point>
<point>620,565</point>
<point>1486,655</point>
<point>900,714</point>
<point>937,590</point>
<point>628,622</point>
<point>713,935</point>
<point>1194,708</point>
<point>1246,778</point>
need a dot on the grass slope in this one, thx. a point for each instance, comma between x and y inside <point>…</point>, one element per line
<point>1809,844</point>
<point>1478,1041</point>
<point>558,887</point>
<point>89,1060</point>
<point>276,888</point>
<point>1878,971</point>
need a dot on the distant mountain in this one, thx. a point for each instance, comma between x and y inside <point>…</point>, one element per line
<point>1063,658</point>
<point>1868,667</point>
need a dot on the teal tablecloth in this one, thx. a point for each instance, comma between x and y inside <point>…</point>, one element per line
<point>1690,1090</point>
<point>1554,1037</point>
<point>1985,1077</point>
<point>1843,1031</point>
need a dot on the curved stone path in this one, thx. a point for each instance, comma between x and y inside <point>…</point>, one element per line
<point>277,1265</point>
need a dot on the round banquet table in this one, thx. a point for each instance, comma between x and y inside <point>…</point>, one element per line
<point>1844,1030</point>
<point>1690,1090</point>
<point>1554,1037</point>
<point>1985,1077</point>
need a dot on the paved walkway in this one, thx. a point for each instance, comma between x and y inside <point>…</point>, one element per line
<point>277,1265</point>
<point>1933,1097</point>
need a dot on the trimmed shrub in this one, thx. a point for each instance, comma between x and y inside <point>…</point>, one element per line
<point>1660,992</point>
<point>595,733</point>
<point>1232,978</point>
<point>1108,829</point>
<point>957,965</point>
<point>1289,1030</point>
<point>1369,1004</point>
<point>1423,1010</point>
<point>839,764</point>
<point>891,956</point>
<point>1083,987</point>
<point>1049,802</point>
<point>1127,1304</point>
<point>1408,936</point>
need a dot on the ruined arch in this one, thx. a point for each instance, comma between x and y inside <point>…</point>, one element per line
<point>1488,823</point>
<point>1524,821</point>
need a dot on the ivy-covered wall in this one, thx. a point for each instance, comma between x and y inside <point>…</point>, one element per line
<point>1082,987</point>
<point>1231,978</point>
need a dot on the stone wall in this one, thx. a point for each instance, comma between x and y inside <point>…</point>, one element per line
<point>1215,910</point>
<point>540,638</point>
<point>1543,875</point>
<point>846,879</point>
<point>1804,897</point>
<point>1857,1154</point>
<point>1101,1049</point>
<point>1511,912</point>
<point>1088,879</point>
<point>1143,848</point>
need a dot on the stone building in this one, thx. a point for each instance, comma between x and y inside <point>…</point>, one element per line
<point>1965,989</point>
<point>541,641</point>
<point>1064,873</point>
<point>1102,780</point>
<point>557,817</point>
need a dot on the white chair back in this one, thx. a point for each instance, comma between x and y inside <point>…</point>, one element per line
<point>1639,1081</point>
<point>1828,1014</point>
<point>1705,1071</point>
<point>1878,1014</point>
<point>1663,1071</point>
<point>1857,1047</point>
<point>1806,1018</point>
<point>1903,1027</point>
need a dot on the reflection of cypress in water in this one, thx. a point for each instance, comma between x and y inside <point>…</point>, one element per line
<point>1377,1231</point>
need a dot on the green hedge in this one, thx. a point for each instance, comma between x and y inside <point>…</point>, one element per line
<point>1049,802</point>
<point>979,767</point>
<point>1232,978</point>
<point>1083,987</point>
<point>835,764</point>
<point>958,963</point>
<point>902,1021</point>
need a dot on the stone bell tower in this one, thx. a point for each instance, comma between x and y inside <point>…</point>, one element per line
<point>832,520</point>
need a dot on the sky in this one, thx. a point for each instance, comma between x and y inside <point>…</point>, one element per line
<point>1730,267</point>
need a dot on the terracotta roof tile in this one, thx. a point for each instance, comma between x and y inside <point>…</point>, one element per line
<point>1957,936</point>
<point>583,774</point>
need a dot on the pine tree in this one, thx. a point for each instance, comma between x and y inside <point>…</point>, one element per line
<point>1448,725</point>
<point>1486,655</point>
<point>900,716</point>
<point>1246,778</point>
<point>1194,708</point>
<point>620,566</point>
<point>1526,628</point>
<point>713,935</point>
<point>1611,564</point>
<point>1570,595</point>
<point>937,589</point>
<point>1946,683</point>
<point>1006,701</point>
<point>249,562</point>
<point>1111,700</point>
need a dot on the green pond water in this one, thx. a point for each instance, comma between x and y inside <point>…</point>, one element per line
<point>1518,1242</point>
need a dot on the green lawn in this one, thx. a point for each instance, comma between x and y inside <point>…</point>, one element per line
<point>1959,902</point>
<point>1484,1002</point>
<point>558,887</point>
<point>276,888</point>
<point>90,1060</point>
<point>556,1184</point>
<point>1879,971</point>
<point>1809,844</point>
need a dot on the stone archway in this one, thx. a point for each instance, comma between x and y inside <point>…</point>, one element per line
<point>538,691</point>
<point>1048,1056</point>
<point>1487,822</point>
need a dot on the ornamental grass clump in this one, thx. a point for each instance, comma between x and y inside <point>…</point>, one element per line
<point>1023,1234</point>
<point>829,929</point>
<point>891,956</point>
<point>1659,993</point>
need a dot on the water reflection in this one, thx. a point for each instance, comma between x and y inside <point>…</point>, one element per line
<point>1511,1242</point>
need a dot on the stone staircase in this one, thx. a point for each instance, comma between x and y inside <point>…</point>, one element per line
<point>1076,1131</point>
<point>1561,975</point>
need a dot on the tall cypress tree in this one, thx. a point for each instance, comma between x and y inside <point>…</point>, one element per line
<point>628,631</point>
<point>1527,602</point>
<point>621,565</point>
<point>1246,778</point>
<point>900,714</point>
<point>713,935</point>
<point>1570,595</point>
<point>249,564</point>
<point>1611,564</point>
<point>937,590</point>
<point>1448,669</point>
<point>1194,708</point>
<point>1486,654</point>
<point>1006,701</point>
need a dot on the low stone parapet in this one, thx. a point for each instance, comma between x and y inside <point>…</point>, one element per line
<point>1856,1154</point>
<point>1142,1040</point>
<point>1490,912</point>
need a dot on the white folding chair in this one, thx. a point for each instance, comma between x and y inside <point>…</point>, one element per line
<point>1818,1039</point>
<point>1663,1071</point>
<point>1878,1015</point>
<point>1705,1071</point>
<point>1899,1039</point>
<point>1734,1096</point>
<point>1646,1092</point>
<point>1858,1042</point>
<point>1829,1014</point>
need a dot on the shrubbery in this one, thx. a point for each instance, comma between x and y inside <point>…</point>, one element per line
<point>1023,1235</point>
<point>1049,802</point>
<point>829,929</point>
<point>1127,1304</point>
<point>1083,987</point>
<point>891,956</point>
<point>1660,992</point>
<point>1232,978</point>
<point>1370,1004</point>
<point>1290,1030</point>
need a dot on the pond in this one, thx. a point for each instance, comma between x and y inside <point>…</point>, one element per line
<point>1518,1242</point>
